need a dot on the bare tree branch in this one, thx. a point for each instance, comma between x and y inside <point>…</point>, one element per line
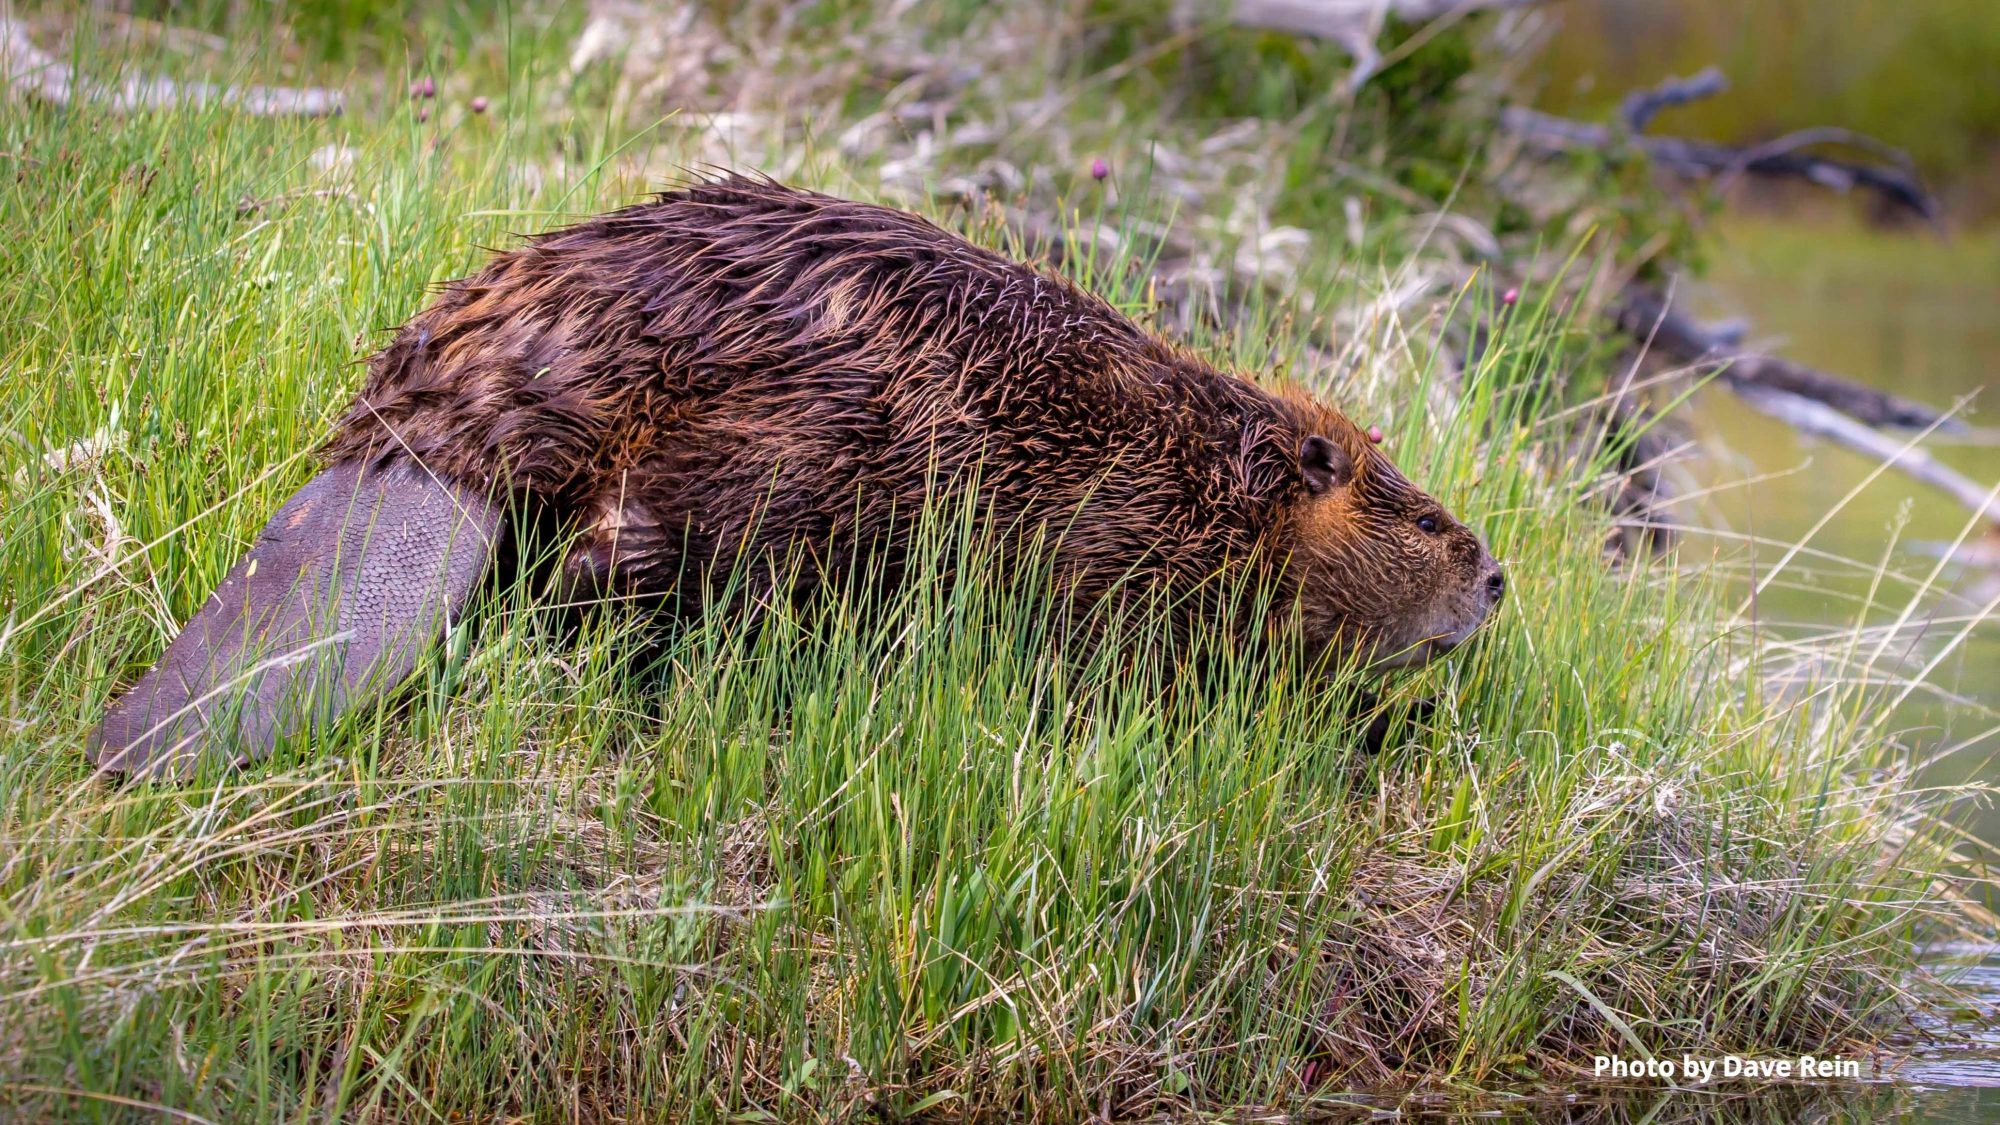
<point>1894,179</point>
<point>1329,19</point>
<point>1650,319</point>
<point>1809,401</point>
<point>1641,106</point>
<point>1816,418</point>
<point>1309,17</point>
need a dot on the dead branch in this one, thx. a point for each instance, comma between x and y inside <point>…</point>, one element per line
<point>1891,177</point>
<point>1672,333</point>
<point>1641,106</point>
<point>1705,160</point>
<point>1331,19</point>
<point>1809,401</point>
<point>1811,417</point>
<point>33,73</point>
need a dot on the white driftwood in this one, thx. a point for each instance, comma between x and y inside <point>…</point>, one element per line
<point>1329,19</point>
<point>1817,418</point>
<point>32,72</point>
<point>1811,402</point>
<point>1652,320</point>
<point>1353,24</point>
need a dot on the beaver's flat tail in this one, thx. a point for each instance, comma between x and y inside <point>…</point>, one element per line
<point>343,591</point>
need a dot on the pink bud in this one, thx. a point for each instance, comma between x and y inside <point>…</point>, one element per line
<point>1510,296</point>
<point>1099,169</point>
<point>1375,434</point>
<point>424,87</point>
<point>424,113</point>
<point>479,105</point>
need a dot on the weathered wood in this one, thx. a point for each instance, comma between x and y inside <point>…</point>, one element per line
<point>32,72</point>
<point>1892,177</point>
<point>1641,106</point>
<point>1704,160</point>
<point>1330,19</point>
<point>1652,321</point>
<point>1811,402</point>
<point>1810,417</point>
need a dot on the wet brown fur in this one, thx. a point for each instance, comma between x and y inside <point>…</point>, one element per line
<point>742,370</point>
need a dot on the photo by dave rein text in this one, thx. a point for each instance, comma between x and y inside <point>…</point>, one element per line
<point>1696,1069</point>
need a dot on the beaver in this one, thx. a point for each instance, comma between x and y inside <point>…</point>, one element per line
<point>739,370</point>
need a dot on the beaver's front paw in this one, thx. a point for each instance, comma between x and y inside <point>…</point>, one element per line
<point>1381,719</point>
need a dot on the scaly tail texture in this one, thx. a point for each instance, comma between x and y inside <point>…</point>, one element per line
<point>344,589</point>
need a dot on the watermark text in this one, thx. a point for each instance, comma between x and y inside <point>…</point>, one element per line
<point>1694,1070</point>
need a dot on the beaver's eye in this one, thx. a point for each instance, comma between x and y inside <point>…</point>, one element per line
<point>1428,525</point>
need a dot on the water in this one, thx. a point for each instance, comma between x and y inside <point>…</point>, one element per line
<point>1921,317</point>
<point>1907,311</point>
<point>1918,316</point>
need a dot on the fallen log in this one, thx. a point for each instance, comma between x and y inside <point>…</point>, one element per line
<point>1651,320</point>
<point>1811,402</point>
<point>1810,417</point>
<point>31,72</point>
<point>1808,400</point>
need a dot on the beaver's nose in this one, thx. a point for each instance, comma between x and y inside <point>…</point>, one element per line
<point>1496,583</point>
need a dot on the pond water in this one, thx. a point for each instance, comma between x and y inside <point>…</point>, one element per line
<point>1919,316</point>
<point>1908,311</point>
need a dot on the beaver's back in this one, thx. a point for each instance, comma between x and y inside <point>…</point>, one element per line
<point>739,361</point>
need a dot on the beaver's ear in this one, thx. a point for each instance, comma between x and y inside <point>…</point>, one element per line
<point>1326,465</point>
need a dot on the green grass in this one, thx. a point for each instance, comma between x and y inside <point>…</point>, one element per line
<point>918,856</point>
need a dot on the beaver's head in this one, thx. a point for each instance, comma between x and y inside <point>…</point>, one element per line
<point>1380,570</point>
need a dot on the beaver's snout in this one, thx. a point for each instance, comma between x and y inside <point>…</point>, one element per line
<point>1471,583</point>
<point>1487,589</point>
